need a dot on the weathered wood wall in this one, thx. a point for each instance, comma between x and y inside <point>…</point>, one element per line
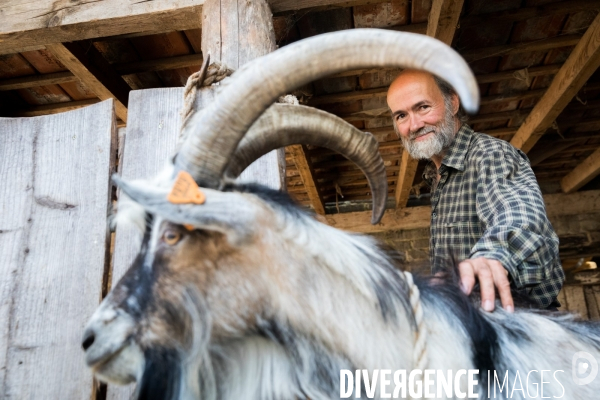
<point>53,246</point>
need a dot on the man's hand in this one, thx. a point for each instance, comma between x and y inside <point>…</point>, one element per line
<point>491,274</point>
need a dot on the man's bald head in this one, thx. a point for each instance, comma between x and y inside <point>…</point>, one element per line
<point>424,112</point>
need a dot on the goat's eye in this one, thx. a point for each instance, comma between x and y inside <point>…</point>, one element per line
<point>171,237</point>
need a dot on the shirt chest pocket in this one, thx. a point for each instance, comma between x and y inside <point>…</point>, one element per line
<point>464,229</point>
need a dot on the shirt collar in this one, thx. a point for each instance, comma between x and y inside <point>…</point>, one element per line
<point>457,152</point>
<point>455,155</point>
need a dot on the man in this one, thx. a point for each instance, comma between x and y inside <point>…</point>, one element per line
<point>487,208</point>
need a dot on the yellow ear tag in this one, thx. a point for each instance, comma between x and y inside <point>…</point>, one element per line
<point>185,190</point>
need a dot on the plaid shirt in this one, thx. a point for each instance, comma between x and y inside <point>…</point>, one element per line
<point>487,203</point>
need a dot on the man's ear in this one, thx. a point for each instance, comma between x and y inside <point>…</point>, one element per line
<point>455,104</point>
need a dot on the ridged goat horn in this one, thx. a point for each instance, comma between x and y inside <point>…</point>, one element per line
<point>216,132</point>
<point>285,124</point>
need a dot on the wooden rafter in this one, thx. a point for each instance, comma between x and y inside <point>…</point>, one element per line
<point>577,69</point>
<point>32,25</point>
<point>522,47</point>
<point>134,67</point>
<point>443,19</point>
<point>305,170</point>
<point>92,69</point>
<point>557,205</point>
<point>41,22</point>
<point>582,174</point>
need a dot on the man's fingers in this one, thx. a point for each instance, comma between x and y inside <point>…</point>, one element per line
<point>486,283</point>
<point>467,276</point>
<point>503,285</point>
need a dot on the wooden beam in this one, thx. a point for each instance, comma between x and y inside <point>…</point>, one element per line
<point>160,64</point>
<point>406,177</point>
<point>557,205</point>
<point>36,80</point>
<point>574,73</point>
<point>135,67</point>
<point>522,47</point>
<point>40,22</point>
<point>382,91</point>
<point>33,24</point>
<point>92,69</point>
<point>582,174</point>
<point>510,74</point>
<point>306,174</point>
<point>443,19</point>
<point>563,7</point>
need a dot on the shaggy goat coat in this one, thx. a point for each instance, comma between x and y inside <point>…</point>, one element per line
<point>231,311</point>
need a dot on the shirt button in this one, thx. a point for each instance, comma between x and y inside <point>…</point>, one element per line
<point>434,215</point>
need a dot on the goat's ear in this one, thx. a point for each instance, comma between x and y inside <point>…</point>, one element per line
<point>231,213</point>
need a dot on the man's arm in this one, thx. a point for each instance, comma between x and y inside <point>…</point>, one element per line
<point>519,240</point>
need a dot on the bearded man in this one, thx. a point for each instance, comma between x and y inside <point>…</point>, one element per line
<point>487,210</point>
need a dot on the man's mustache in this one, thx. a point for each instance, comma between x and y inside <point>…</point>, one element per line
<point>422,131</point>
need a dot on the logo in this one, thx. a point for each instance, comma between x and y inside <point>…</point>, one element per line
<point>585,368</point>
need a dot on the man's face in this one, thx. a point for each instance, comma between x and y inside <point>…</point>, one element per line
<point>424,122</point>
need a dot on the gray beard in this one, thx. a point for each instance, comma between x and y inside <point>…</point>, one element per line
<point>441,139</point>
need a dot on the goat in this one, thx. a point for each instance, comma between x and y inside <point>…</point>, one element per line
<point>248,296</point>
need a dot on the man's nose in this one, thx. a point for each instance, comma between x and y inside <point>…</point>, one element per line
<point>416,123</point>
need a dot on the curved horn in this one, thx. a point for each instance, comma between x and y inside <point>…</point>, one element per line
<point>217,131</point>
<point>285,124</point>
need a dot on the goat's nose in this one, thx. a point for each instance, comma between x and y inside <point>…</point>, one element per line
<point>88,340</point>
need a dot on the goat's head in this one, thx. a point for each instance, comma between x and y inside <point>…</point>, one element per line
<point>213,272</point>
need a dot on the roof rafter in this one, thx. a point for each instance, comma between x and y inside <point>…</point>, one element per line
<point>92,69</point>
<point>304,166</point>
<point>582,62</point>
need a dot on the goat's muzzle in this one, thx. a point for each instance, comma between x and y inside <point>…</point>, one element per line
<point>109,349</point>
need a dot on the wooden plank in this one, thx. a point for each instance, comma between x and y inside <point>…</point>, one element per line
<point>381,92</point>
<point>161,64</point>
<point>523,47</point>
<point>591,277</point>
<point>443,19</point>
<point>561,299</point>
<point>53,242</point>
<point>306,174</point>
<point>592,299</point>
<point>92,69</point>
<point>405,219</point>
<point>150,139</point>
<point>574,73</point>
<point>39,22</point>
<point>235,32</point>
<point>582,174</point>
<point>511,74</point>
<point>575,299</point>
<point>406,177</point>
<point>557,205</point>
<point>563,7</point>
<point>37,80</point>
<point>284,6</point>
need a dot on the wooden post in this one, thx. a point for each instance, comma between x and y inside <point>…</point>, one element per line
<point>235,32</point>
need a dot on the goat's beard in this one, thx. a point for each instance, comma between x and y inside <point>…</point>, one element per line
<point>441,139</point>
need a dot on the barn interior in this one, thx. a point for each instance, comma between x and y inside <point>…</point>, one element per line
<point>535,61</point>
